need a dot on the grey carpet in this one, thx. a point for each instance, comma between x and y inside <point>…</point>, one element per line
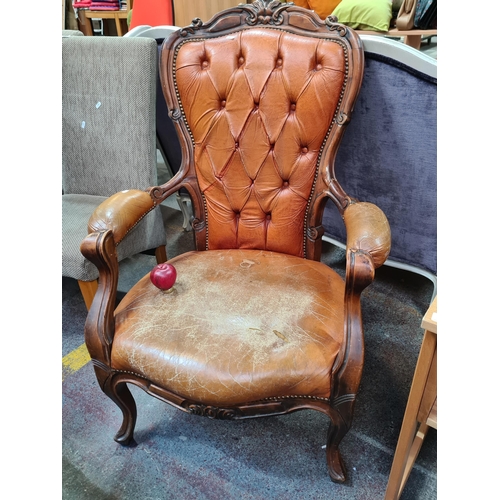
<point>184,456</point>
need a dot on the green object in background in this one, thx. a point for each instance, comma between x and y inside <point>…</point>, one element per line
<point>129,17</point>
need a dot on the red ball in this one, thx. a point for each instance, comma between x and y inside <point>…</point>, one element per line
<point>163,276</point>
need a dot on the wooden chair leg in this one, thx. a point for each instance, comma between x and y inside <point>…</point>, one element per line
<point>121,395</point>
<point>161,254</point>
<point>88,289</point>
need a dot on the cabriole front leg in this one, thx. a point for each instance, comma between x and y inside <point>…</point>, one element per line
<point>118,392</point>
<point>336,431</point>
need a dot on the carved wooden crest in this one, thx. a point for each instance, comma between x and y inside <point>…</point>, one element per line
<point>266,13</point>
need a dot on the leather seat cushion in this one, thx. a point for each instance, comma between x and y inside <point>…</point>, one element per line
<point>238,326</point>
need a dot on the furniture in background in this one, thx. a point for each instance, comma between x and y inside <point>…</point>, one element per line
<point>255,325</point>
<point>167,141</point>
<point>108,144</point>
<point>412,38</point>
<point>421,409</point>
<point>371,17</point>
<point>389,153</point>
<point>118,16</point>
<point>66,33</point>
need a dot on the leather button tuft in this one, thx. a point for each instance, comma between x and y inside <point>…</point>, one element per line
<point>223,103</point>
<point>293,106</point>
<point>236,145</point>
<point>268,216</point>
<point>318,67</point>
<point>204,64</point>
<point>241,60</point>
<point>285,183</point>
<point>305,149</point>
<point>279,62</point>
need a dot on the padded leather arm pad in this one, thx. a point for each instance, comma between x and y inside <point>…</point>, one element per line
<point>121,212</point>
<point>368,230</point>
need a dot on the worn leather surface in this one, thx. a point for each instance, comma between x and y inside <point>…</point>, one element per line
<point>368,230</point>
<point>239,326</point>
<point>258,118</point>
<point>121,212</point>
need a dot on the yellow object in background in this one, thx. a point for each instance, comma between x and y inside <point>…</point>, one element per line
<point>322,7</point>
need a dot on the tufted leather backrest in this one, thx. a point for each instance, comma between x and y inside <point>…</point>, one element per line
<point>258,105</point>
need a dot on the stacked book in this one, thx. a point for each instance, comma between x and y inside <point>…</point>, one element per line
<point>105,5</point>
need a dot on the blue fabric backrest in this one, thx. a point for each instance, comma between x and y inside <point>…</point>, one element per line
<point>388,156</point>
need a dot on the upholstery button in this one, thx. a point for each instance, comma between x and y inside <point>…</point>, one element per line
<point>204,64</point>
<point>236,144</point>
<point>293,106</point>
<point>223,103</point>
<point>318,67</point>
<point>268,216</point>
<point>279,62</point>
<point>305,149</point>
<point>241,60</point>
<point>285,183</point>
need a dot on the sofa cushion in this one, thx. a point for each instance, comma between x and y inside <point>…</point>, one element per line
<point>322,7</point>
<point>372,15</point>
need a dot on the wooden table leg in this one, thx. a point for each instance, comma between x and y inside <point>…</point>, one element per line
<point>413,41</point>
<point>118,23</point>
<point>410,422</point>
<point>87,26</point>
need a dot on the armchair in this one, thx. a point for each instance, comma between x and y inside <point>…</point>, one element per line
<point>256,325</point>
<point>108,143</point>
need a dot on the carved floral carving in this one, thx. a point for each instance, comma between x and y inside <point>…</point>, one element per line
<point>196,24</point>
<point>265,12</point>
<point>214,412</point>
<point>332,24</point>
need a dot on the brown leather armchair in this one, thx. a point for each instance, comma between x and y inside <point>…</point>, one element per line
<point>255,325</point>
